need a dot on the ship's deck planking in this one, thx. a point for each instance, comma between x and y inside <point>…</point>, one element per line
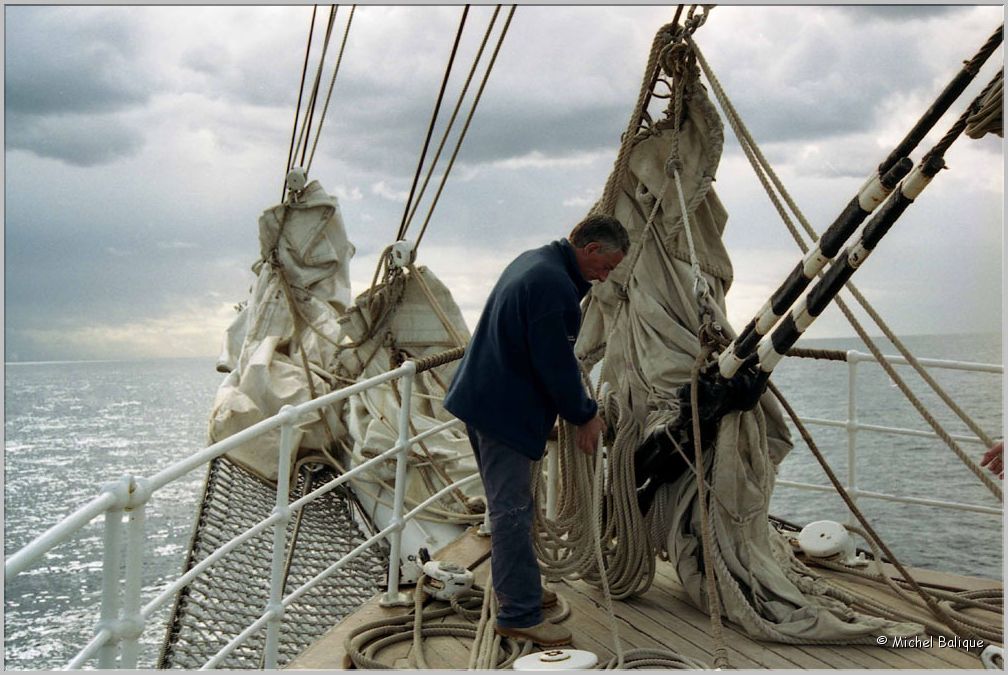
<point>662,617</point>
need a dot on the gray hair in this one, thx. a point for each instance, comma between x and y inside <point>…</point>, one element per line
<point>603,229</point>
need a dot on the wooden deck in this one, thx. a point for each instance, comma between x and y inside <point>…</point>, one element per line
<point>662,618</point>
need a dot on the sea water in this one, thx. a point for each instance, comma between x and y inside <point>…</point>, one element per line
<point>71,427</point>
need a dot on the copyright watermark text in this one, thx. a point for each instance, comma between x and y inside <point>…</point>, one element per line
<point>928,641</point>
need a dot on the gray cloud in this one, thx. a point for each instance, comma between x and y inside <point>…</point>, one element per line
<point>74,60</point>
<point>895,13</point>
<point>819,83</point>
<point>69,72</point>
<point>74,139</point>
<point>177,175</point>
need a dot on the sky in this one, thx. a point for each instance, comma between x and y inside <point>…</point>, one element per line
<point>142,143</point>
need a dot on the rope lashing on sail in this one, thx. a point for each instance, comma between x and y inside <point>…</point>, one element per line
<point>300,322</point>
<point>681,67</point>
<point>565,543</point>
<point>433,120</point>
<point>890,171</point>
<point>651,81</point>
<point>668,54</point>
<point>869,532</point>
<point>663,37</point>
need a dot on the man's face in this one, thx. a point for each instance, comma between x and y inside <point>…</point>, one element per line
<point>599,261</point>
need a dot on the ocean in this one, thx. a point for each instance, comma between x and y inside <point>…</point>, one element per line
<point>70,427</point>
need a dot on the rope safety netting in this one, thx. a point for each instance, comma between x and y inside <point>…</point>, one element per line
<point>299,336</point>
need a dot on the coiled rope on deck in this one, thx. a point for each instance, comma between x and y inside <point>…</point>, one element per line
<point>476,607</point>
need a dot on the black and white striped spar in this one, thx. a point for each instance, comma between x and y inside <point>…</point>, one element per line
<point>891,171</point>
<point>818,298</point>
<point>656,461</point>
<point>869,197</point>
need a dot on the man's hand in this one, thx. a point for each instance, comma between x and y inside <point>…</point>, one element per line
<point>588,435</point>
<point>993,457</point>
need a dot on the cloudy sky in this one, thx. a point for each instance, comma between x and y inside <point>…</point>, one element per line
<point>142,143</point>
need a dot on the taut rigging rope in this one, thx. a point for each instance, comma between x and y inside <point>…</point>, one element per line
<point>451,121</point>
<point>297,110</point>
<point>332,82</point>
<point>302,143</point>
<point>433,121</point>
<point>465,128</point>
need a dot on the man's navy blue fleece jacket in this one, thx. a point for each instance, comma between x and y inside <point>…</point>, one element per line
<point>519,370</point>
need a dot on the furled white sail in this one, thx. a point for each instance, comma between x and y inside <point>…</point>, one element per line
<point>645,321</point>
<point>305,256</point>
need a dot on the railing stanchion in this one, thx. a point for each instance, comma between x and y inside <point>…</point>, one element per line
<point>392,595</point>
<point>132,622</point>
<point>275,606</point>
<point>852,431</point>
<point>111,562</point>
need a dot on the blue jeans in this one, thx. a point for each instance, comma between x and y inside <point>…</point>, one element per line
<point>507,482</point>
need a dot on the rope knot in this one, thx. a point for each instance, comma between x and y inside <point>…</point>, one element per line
<point>673,165</point>
<point>677,61</point>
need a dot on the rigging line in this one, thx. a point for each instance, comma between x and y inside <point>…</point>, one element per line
<point>951,92</point>
<point>858,514</point>
<point>657,72</point>
<point>297,110</point>
<point>458,145</point>
<point>333,9</point>
<point>302,136</point>
<point>433,120</point>
<point>332,83</point>
<point>763,170</point>
<point>451,122</point>
<point>956,130</point>
<point>607,201</point>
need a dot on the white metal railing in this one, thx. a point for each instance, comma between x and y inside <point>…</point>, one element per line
<point>853,426</point>
<point>122,618</point>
